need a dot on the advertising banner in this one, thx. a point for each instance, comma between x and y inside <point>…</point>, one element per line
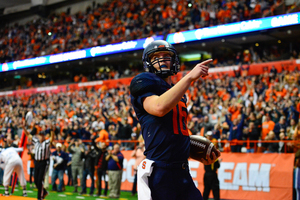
<point>241,175</point>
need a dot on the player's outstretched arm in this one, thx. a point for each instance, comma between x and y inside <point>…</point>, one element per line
<point>161,105</point>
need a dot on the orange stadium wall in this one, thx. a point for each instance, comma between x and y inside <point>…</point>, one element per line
<point>254,69</point>
<point>242,176</point>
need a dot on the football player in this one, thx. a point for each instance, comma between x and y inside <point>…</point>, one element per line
<point>161,109</point>
<point>10,162</point>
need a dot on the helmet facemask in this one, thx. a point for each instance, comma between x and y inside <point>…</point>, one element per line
<point>163,71</point>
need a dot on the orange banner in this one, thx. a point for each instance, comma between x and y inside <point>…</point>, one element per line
<point>241,175</point>
<point>256,176</point>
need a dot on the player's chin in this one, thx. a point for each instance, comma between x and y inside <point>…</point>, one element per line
<point>165,68</point>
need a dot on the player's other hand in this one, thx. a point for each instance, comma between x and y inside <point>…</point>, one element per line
<point>210,160</point>
<point>200,70</point>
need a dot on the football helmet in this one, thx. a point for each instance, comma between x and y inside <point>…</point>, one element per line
<point>156,46</point>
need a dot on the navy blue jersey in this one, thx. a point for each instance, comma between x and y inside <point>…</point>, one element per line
<point>166,138</point>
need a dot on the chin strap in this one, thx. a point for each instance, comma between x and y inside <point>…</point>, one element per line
<point>164,74</point>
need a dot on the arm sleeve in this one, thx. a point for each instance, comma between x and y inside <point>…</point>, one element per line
<point>19,149</point>
<point>35,140</point>
<point>144,85</point>
<point>255,97</point>
<point>228,121</point>
<point>2,163</point>
<point>34,131</point>
<point>296,114</point>
<point>59,160</point>
<point>70,149</point>
<point>240,127</point>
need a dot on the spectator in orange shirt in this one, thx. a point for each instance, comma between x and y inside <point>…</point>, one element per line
<point>267,126</point>
<point>103,137</point>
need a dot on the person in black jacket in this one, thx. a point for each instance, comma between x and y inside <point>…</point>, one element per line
<point>251,134</point>
<point>88,168</point>
<point>101,164</point>
<point>211,181</point>
<point>60,159</point>
<point>272,147</point>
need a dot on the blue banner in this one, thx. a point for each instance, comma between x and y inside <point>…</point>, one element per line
<point>79,54</point>
<point>234,28</point>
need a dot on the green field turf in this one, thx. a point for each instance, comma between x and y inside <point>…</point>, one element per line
<point>68,195</point>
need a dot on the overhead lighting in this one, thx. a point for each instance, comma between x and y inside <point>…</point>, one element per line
<point>279,41</point>
<point>190,5</point>
<point>190,57</point>
<point>223,40</point>
<point>49,33</point>
<point>243,38</point>
<point>256,44</point>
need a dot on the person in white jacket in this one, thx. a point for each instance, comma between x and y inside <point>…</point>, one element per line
<point>10,162</point>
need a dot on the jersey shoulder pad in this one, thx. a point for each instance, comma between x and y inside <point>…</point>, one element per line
<point>143,83</point>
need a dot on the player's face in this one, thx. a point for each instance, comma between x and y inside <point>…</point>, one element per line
<point>161,59</point>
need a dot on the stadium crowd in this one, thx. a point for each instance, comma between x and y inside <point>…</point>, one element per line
<point>234,112</point>
<point>114,22</point>
<point>214,104</point>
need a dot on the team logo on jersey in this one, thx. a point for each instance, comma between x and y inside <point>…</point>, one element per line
<point>144,165</point>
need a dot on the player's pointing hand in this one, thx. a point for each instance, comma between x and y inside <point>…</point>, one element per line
<point>200,70</point>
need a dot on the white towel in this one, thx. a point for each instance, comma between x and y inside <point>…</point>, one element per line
<point>144,171</point>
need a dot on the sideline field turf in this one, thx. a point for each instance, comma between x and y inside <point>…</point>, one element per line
<point>67,195</point>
